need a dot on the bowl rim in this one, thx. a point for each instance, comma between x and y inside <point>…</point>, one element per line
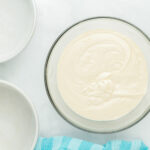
<point>28,39</point>
<point>8,84</point>
<point>46,64</point>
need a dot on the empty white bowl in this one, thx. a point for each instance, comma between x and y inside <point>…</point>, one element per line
<point>18,119</point>
<point>17,23</point>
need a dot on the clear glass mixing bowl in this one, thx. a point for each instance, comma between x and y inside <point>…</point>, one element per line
<point>108,23</point>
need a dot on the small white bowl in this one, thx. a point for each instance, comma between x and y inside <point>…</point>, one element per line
<point>18,119</point>
<point>17,23</point>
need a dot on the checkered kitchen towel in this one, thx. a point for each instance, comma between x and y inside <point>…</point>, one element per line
<point>67,143</point>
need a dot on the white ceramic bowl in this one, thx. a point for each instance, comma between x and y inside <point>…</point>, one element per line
<point>17,23</point>
<point>18,119</point>
<point>107,23</point>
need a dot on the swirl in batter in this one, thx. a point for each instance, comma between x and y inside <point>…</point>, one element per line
<point>102,75</point>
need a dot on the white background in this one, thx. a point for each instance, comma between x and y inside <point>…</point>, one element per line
<point>27,69</point>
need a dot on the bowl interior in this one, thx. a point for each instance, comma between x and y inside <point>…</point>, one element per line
<point>18,123</point>
<point>16,26</point>
<point>51,73</point>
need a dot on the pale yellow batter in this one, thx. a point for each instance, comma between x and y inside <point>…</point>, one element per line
<point>102,75</point>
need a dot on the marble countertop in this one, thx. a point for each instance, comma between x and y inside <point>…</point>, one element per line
<point>27,69</point>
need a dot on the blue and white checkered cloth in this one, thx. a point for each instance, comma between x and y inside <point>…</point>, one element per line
<point>67,143</point>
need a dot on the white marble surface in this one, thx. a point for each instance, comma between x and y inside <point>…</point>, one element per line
<point>27,69</point>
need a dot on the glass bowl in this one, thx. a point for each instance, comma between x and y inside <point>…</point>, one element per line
<point>108,23</point>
